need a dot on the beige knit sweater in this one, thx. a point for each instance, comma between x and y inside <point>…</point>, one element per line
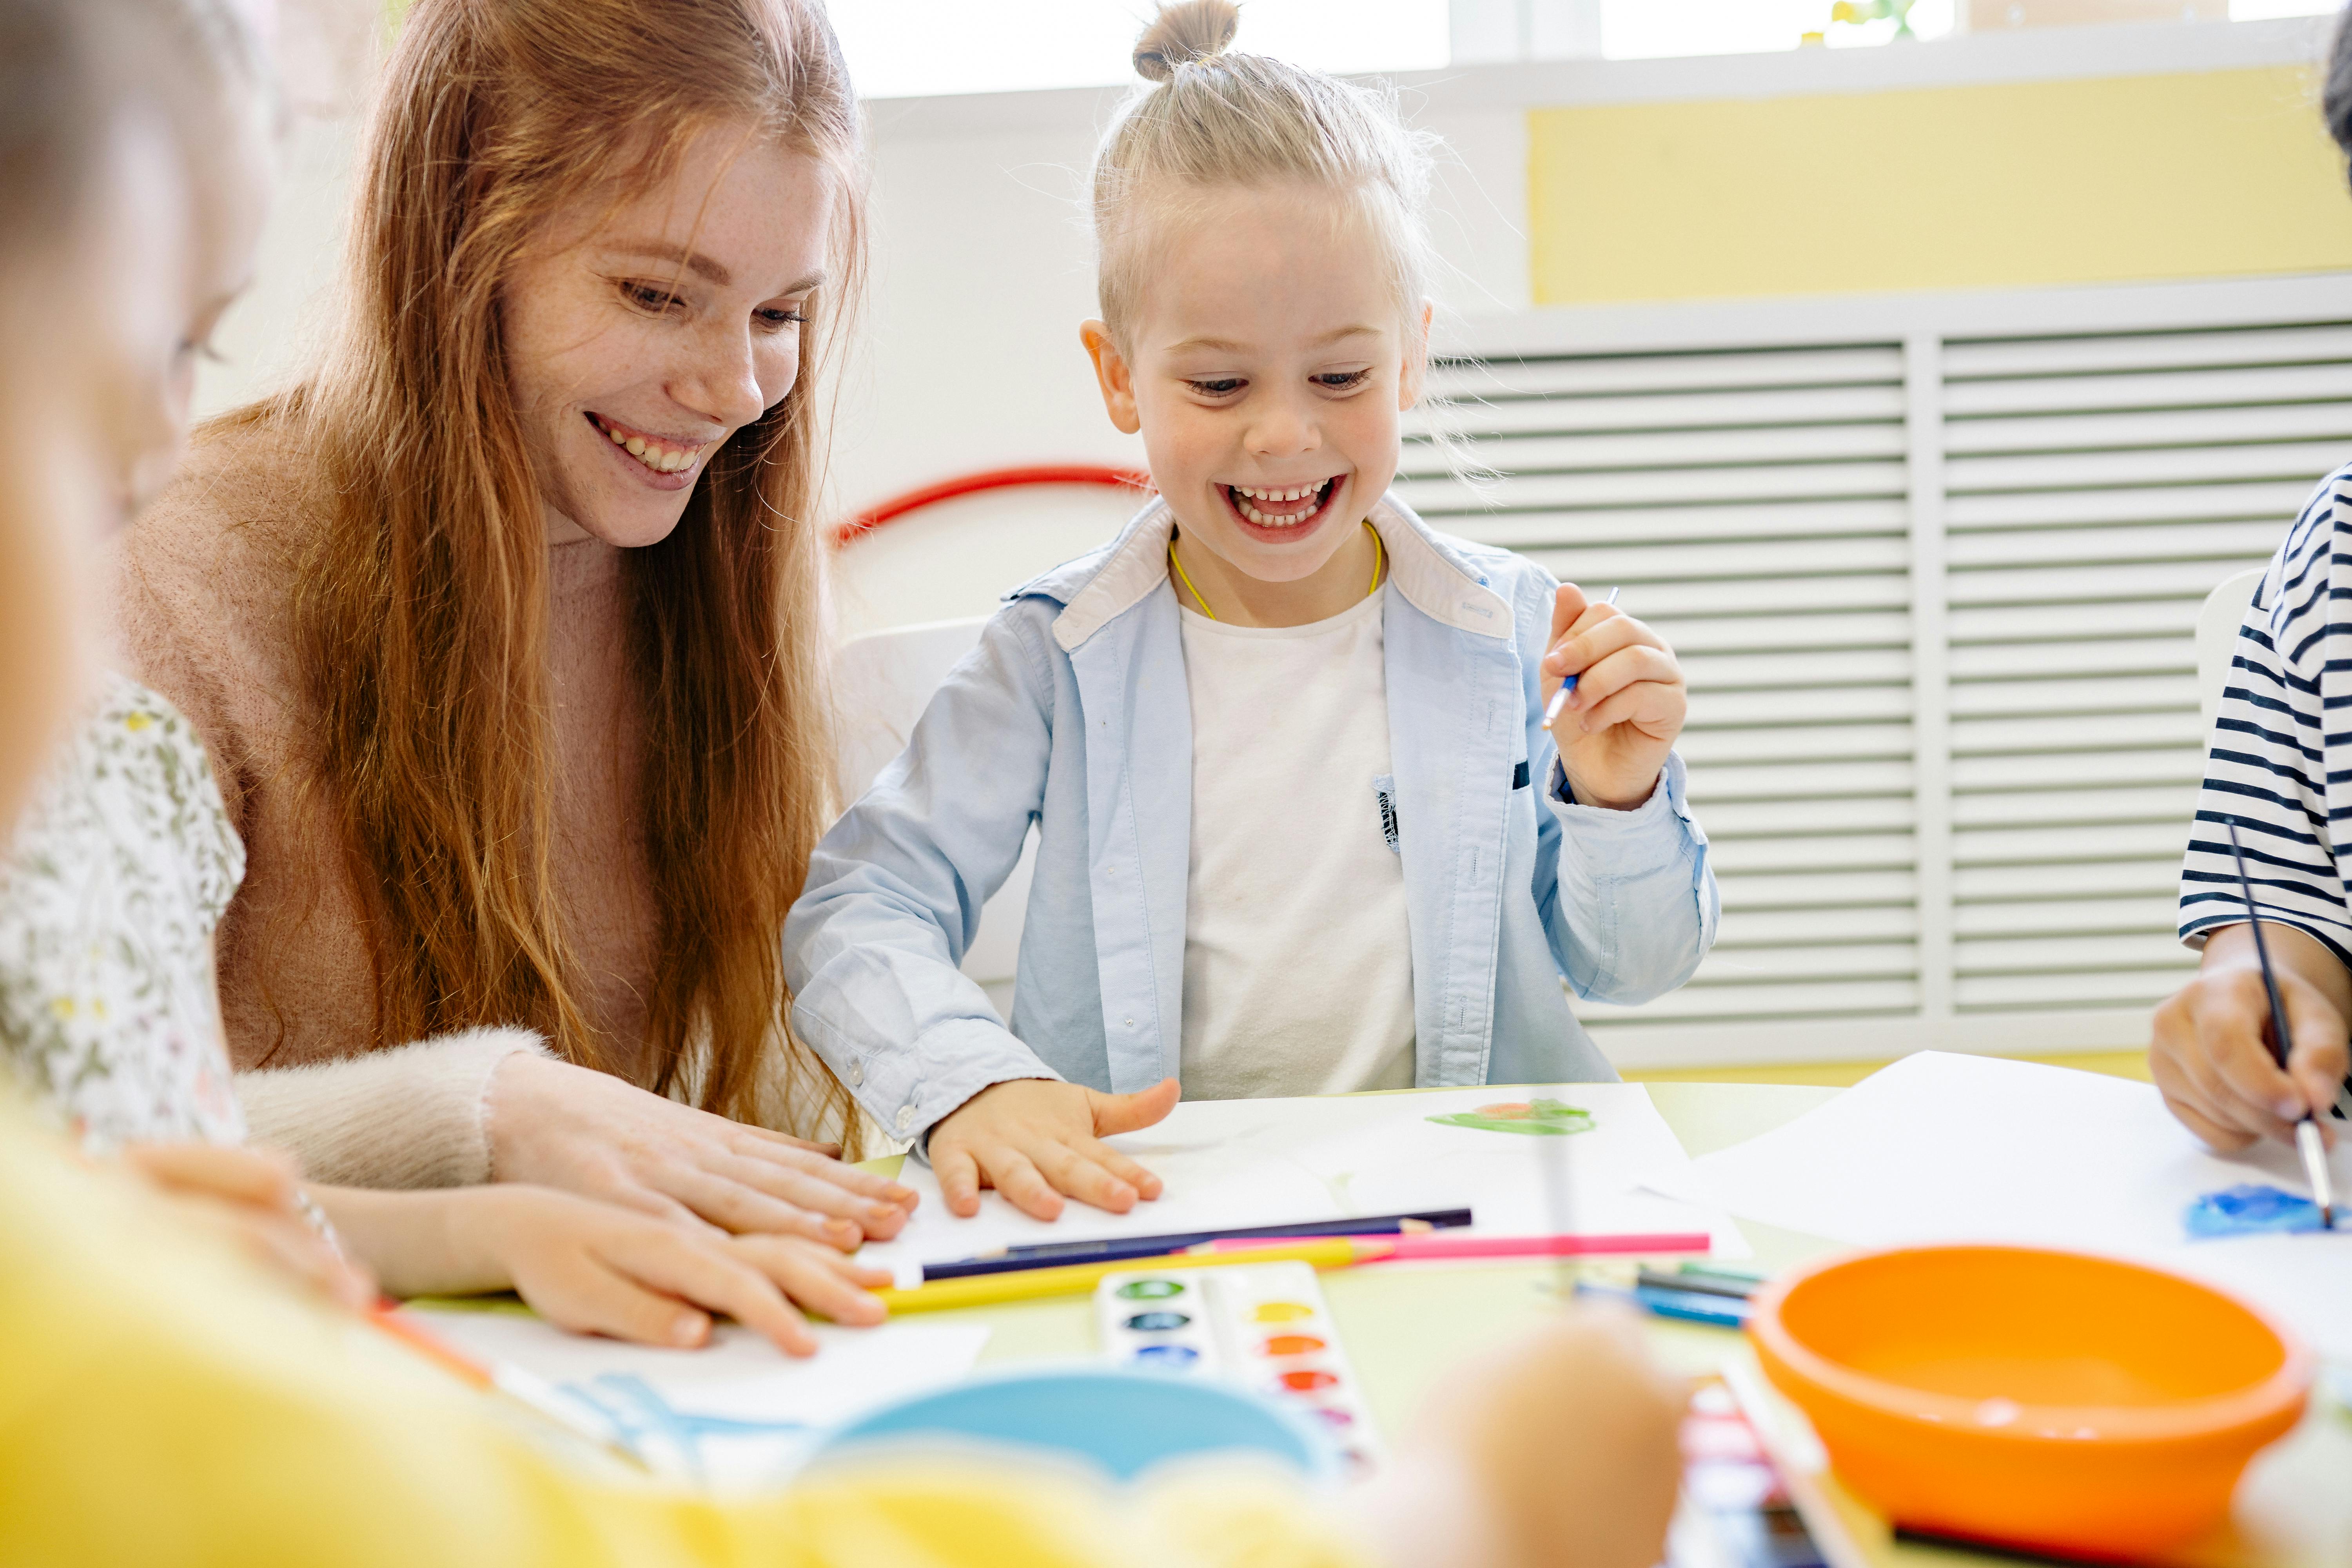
<point>204,583</point>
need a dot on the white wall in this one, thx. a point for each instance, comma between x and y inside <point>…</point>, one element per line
<point>969,357</point>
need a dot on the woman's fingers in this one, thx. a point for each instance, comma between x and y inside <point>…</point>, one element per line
<point>810,1190</point>
<point>739,1208</point>
<point>786,1139</point>
<point>817,1277</point>
<point>630,1193</point>
<point>812,1162</point>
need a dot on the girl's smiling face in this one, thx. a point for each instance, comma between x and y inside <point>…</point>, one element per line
<point>648,334</point>
<point>1266,368</point>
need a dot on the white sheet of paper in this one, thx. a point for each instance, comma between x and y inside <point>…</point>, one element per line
<point>737,1412</point>
<point>1940,1147</point>
<point>1233,1163</point>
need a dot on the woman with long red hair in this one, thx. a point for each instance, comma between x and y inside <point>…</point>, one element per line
<point>501,628</point>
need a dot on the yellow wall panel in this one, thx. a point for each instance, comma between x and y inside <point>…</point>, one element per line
<point>2107,180</point>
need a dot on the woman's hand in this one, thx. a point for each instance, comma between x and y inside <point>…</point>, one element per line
<point>593,1268</point>
<point>1558,1451</point>
<point>556,1125</point>
<point>1617,726</point>
<point>253,1200</point>
<point>1036,1139</point>
<point>2210,1054</point>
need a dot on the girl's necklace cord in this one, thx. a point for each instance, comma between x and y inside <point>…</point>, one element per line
<point>1380,563</point>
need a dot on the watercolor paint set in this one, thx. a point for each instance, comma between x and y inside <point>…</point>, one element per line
<point>1263,1326</point>
<point>1737,1508</point>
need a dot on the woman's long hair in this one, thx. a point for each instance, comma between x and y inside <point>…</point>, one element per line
<point>421,605</point>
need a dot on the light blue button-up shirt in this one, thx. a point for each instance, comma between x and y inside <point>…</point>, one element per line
<point>1073,714</point>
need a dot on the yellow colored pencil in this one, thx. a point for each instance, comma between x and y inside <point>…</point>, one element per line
<point>1077,1279</point>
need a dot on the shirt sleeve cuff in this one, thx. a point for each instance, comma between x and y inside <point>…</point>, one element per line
<point>1664,821</point>
<point>409,1117</point>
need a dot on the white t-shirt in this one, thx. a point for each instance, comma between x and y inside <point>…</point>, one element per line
<point>1297,957</point>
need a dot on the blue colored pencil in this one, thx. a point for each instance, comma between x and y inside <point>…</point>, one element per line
<point>1683,1306</point>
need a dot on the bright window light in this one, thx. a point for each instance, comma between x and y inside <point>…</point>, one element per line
<point>915,48</point>
<point>1642,29</point>
<point>2263,10</point>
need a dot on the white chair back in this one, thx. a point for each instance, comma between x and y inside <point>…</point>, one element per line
<point>2218,620</point>
<point>882,683</point>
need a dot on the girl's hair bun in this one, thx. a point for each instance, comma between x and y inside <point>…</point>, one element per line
<point>1182,33</point>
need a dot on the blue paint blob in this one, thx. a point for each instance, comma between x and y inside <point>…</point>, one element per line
<point>1168,1355</point>
<point>2250,1210</point>
<point>1157,1322</point>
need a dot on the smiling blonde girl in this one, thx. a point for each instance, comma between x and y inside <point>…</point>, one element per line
<point>1283,742</point>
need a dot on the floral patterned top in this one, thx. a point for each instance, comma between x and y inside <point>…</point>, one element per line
<point>109,896</point>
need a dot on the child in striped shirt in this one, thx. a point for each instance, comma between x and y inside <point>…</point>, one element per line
<point>2280,766</point>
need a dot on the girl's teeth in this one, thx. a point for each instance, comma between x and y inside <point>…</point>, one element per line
<point>1243,496</point>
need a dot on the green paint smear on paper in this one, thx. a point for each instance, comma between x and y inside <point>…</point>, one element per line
<point>1538,1118</point>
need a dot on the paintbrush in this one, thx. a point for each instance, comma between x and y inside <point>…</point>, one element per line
<point>1568,682</point>
<point>1551,1162</point>
<point>2307,1140</point>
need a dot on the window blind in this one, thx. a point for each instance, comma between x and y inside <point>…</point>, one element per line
<point>1935,586</point>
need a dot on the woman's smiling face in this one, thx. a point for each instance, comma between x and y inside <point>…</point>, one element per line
<point>644,335</point>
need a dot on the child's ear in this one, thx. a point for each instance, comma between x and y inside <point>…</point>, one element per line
<point>1114,375</point>
<point>1416,359</point>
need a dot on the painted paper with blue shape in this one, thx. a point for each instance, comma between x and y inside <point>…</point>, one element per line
<point>2249,1209</point>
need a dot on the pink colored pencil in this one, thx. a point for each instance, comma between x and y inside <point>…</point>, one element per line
<point>1424,1245</point>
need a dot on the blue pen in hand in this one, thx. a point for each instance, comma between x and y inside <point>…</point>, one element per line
<point>1568,683</point>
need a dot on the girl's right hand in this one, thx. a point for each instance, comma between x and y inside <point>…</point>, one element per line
<point>1036,1139</point>
<point>593,1268</point>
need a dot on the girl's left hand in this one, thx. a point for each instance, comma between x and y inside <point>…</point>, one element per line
<point>1617,726</point>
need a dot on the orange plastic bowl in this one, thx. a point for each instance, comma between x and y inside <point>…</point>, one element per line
<point>2029,1398</point>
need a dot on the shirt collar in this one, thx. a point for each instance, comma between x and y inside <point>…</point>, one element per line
<point>1099,587</point>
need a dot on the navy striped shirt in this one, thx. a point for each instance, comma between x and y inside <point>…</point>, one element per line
<point>2280,761</point>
